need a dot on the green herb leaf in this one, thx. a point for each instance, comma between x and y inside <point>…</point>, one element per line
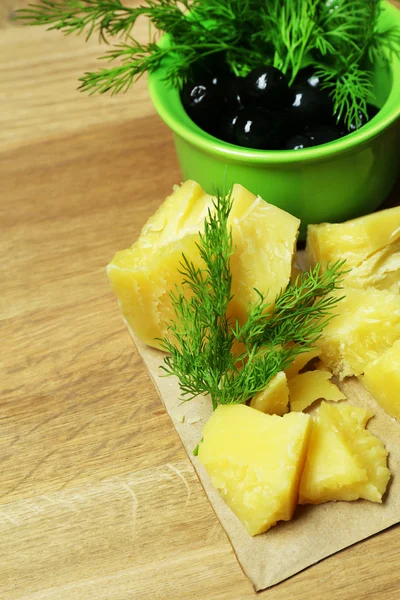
<point>107,17</point>
<point>349,90</point>
<point>340,37</point>
<point>201,340</point>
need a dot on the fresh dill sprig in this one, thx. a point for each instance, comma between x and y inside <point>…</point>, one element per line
<point>107,17</point>
<point>201,341</point>
<point>350,31</point>
<point>341,38</point>
<point>135,59</point>
<point>349,90</point>
<point>293,31</point>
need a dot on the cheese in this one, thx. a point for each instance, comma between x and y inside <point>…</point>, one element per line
<point>255,461</point>
<point>367,323</point>
<point>382,379</point>
<point>306,388</point>
<point>274,399</point>
<point>301,361</point>
<point>356,415</point>
<point>344,461</point>
<point>264,239</point>
<point>369,450</point>
<point>370,245</point>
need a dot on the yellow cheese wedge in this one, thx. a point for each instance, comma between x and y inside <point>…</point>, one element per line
<point>344,461</point>
<point>356,415</point>
<point>331,469</point>
<point>370,451</point>
<point>274,399</point>
<point>301,361</point>
<point>264,241</point>
<point>367,323</point>
<point>370,245</point>
<point>255,461</point>
<point>142,276</point>
<point>382,379</point>
<point>306,388</point>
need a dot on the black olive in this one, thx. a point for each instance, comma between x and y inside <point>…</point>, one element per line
<point>266,87</point>
<point>322,134</point>
<point>310,104</point>
<point>233,93</point>
<point>308,78</point>
<point>260,129</point>
<point>298,142</point>
<point>202,102</point>
<point>217,78</point>
<point>227,127</point>
<point>198,95</point>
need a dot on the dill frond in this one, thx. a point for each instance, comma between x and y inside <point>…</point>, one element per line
<point>200,341</point>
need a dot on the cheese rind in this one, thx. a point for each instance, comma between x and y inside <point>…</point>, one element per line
<point>255,462</point>
<point>143,276</point>
<point>382,379</point>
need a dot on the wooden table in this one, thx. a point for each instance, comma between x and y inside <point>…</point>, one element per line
<point>98,499</point>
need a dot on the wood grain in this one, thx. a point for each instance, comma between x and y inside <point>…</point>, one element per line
<point>97,497</point>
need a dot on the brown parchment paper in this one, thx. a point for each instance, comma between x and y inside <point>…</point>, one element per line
<point>315,531</point>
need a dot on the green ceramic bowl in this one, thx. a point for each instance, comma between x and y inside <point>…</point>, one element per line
<point>332,182</point>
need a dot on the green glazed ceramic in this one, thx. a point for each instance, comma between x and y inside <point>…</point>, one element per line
<point>332,182</point>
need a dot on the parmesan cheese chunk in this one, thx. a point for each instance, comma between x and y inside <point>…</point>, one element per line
<point>370,245</point>
<point>367,324</point>
<point>382,379</point>
<point>263,236</point>
<point>255,461</point>
<point>274,399</point>
<point>344,461</point>
<point>306,388</point>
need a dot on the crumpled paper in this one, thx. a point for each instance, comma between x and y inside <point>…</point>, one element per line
<point>315,531</point>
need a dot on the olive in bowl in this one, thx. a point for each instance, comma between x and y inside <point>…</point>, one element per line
<point>335,181</point>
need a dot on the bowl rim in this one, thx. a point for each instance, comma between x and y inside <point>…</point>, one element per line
<point>191,133</point>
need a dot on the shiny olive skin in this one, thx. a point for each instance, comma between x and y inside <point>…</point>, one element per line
<point>201,101</point>
<point>226,129</point>
<point>260,111</point>
<point>260,129</point>
<point>310,105</point>
<point>266,87</point>
<point>307,77</point>
<point>233,93</point>
<point>198,96</point>
<point>298,142</point>
<point>322,134</point>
